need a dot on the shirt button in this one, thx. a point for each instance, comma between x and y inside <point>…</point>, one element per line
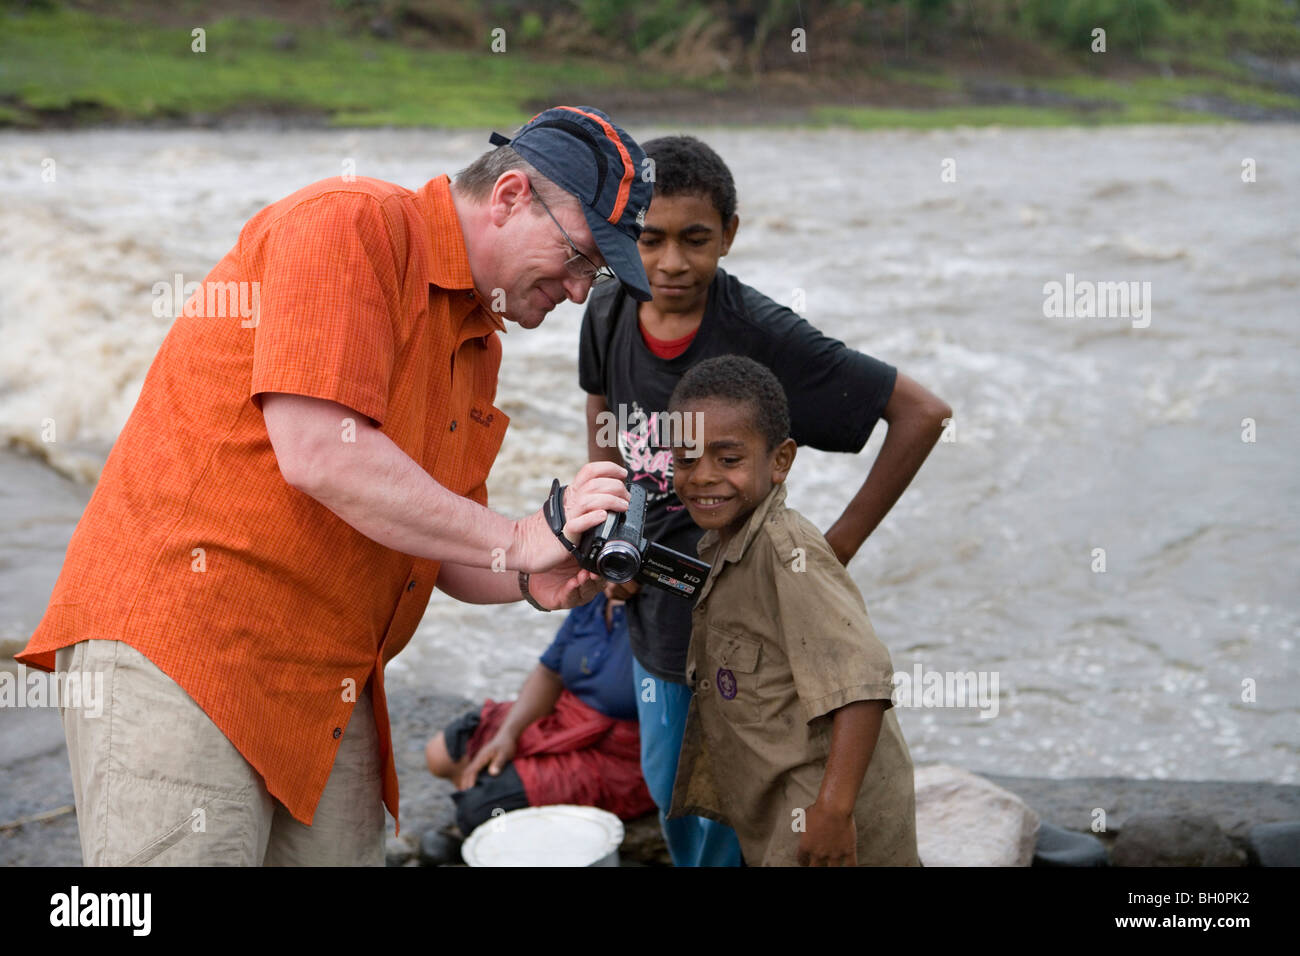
<point>453,425</point>
<point>704,684</point>
<point>410,585</point>
<point>338,732</point>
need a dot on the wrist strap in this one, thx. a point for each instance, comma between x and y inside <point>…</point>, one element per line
<point>553,509</point>
<point>523,589</point>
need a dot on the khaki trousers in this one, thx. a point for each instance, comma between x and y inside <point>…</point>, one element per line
<point>158,784</point>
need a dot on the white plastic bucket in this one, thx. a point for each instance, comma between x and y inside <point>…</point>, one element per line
<point>559,835</point>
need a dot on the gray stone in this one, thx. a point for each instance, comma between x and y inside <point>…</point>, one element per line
<point>440,848</point>
<point>1167,839</point>
<point>37,826</point>
<point>1057,846</point>
<point>416,713</point>
<point>397,851</point>
<point>1274,844</point>
<point>643,843</point>
<point>1236,806</point>
<point>965,820</point>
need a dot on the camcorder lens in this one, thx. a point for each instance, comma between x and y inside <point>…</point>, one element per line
<point>618,561</point>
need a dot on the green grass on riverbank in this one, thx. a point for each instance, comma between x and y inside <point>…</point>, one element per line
<point>61,66</point>
<point>873,118</point>
<point>76,67</point>
<point>1079,100</point>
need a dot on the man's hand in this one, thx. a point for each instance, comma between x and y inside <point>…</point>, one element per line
<point>596,490</point>
<point>494,755</point>
<point>387,496</point>
<point>562,588</point>
<point>831,839</point>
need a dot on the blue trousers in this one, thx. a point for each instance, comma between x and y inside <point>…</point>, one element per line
<point>662,707</point>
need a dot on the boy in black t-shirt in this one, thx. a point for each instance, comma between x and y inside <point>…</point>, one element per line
<point>631,357</point>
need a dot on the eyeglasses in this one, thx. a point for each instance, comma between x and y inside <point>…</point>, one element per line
<point>579,266</point>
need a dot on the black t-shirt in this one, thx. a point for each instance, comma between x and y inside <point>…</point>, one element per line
<point>836,396</point>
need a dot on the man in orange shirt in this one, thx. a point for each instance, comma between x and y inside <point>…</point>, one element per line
<point>292,484</point>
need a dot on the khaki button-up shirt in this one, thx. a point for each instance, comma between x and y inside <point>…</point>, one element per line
<point>780,639</point>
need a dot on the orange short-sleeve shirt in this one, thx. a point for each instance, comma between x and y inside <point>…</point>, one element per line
<point>268,609</point>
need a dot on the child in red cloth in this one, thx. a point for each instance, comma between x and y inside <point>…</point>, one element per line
<point>571,737</point>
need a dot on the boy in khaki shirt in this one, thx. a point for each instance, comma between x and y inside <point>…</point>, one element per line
<point>791,737</point>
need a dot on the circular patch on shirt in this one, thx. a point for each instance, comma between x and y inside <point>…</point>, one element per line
<point>726,682</point>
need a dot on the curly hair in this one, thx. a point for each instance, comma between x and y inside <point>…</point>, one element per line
<point>739,380</point>
<point>683,165</point>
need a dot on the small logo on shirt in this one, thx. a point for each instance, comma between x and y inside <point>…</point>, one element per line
<point>476,415</point>
<point>726,682</point>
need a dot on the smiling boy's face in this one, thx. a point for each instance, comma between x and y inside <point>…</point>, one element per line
<point>731,470</point>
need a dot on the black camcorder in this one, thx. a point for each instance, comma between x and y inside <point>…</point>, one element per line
<point>617,549</point>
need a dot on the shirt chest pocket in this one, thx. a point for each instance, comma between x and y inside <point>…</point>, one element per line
<point>463,451</point>
<point>484,432</point>
<point>729,678</point>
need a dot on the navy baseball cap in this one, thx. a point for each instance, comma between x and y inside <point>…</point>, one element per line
<point>579,149</point>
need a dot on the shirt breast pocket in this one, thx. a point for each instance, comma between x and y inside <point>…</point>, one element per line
<point>730,677</point>
<point>485,429</point>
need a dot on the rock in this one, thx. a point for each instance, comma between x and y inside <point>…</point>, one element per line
<point>37,782</point>
<point>416,712</point>
<point>1274,844</point>
<point>397,851</point>
<point>964,820</point>
<point>383,28</point>
<point>1235,805</point>
<point>643,842</point>
<point>1170,839</point>
<point>1057,846</point>
<point>285,41</point>
<point>439,848</point>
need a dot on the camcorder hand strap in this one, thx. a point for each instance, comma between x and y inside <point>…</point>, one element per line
<point>553,508</point>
